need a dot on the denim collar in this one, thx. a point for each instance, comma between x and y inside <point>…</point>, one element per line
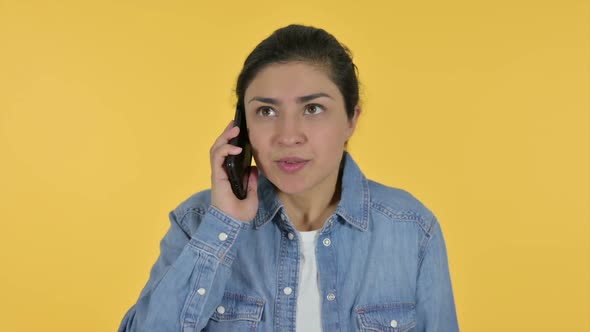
<point>352,208</point>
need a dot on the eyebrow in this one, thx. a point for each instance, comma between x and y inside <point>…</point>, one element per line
<point>300,100</point>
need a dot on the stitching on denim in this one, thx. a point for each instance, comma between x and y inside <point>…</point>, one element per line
<point>399,215</point>
<point>180,223</point>
<point>363,311</point>
<point>185,211</point>
<point>280,280</point>
<point>193,292</point>
<point>424,246</point>
<point>253,306</point>
<point>224,253</point>
<point>426,243</point>
<point>218,214</point>
<point>203,247</point>
<point>366,201</point>
<point>264,218</point>
<point>361,222</point>
<point>406,215</point>
<point>182,220</point>
<point>381,306</point>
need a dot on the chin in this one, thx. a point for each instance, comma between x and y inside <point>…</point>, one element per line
<point>292,190</point>
<point>289,186</point>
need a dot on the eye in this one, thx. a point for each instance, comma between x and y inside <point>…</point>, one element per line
<point>314,109</point>
<point>266,111</point>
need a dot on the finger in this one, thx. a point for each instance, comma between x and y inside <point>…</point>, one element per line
<point>221,152</point>
<point>218,158</point>
<point>225,137</point>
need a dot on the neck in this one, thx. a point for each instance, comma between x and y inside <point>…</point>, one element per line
<point>309,210</point>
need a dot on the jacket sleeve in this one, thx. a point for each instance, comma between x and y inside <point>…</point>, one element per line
<point>188,279</point>
<point>435,305</point>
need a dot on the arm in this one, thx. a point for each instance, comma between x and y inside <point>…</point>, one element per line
<point>188,271</point>
<point>188,279</point>
<point>435,307</point>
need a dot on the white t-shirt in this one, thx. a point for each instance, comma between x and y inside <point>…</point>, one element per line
<point>308,300</point>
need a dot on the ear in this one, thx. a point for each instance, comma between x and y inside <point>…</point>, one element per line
<point>352,122</point>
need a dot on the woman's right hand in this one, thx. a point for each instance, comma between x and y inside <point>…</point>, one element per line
<point>222,196</point>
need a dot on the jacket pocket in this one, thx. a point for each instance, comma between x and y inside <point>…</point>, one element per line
<point>392,317</point>
<point>236,312</point>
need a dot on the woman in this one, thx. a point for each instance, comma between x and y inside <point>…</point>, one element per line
<point>315,245</point>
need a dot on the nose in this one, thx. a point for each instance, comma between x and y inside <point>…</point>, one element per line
<point>290,132</point>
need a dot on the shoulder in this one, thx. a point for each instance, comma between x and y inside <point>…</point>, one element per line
<point>399,205</point>
<point>190,211</point>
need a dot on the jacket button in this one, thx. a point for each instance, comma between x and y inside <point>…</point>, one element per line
<point>220,310</point>
<point>327,242</point>
<point>201,291</point>
<point>290,236</point>
<point>393,323</point>
<point>222,236</point>
<point>287,290</point>
<point>331,297</point>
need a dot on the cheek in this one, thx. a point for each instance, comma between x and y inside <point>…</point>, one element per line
<point>255,135</point>
<point>329,136</point>
<point>261,134</point>
<point>260,145</point>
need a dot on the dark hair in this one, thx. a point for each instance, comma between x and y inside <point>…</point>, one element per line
<point>306,44</point>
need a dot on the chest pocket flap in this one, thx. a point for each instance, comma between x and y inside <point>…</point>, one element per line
<point>392,317</point>
<point>236,306</point>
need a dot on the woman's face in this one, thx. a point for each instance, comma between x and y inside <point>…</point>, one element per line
<point>298,126</point>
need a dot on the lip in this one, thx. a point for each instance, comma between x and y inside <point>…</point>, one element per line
<point>291,164</point>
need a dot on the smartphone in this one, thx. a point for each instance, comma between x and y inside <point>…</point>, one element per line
<point>238,166</point>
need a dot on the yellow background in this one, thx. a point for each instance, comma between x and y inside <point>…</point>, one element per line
<point>108,109</point>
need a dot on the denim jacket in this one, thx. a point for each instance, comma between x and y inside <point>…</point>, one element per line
<point>381,261</point>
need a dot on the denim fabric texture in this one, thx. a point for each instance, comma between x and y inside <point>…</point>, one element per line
<point>381,260</point>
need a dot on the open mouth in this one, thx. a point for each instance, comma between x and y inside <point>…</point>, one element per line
<point>292,164</point>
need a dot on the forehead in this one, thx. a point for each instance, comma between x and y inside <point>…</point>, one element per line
<point>291,80</point>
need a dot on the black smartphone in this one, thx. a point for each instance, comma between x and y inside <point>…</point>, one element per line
<point>238,166</point>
